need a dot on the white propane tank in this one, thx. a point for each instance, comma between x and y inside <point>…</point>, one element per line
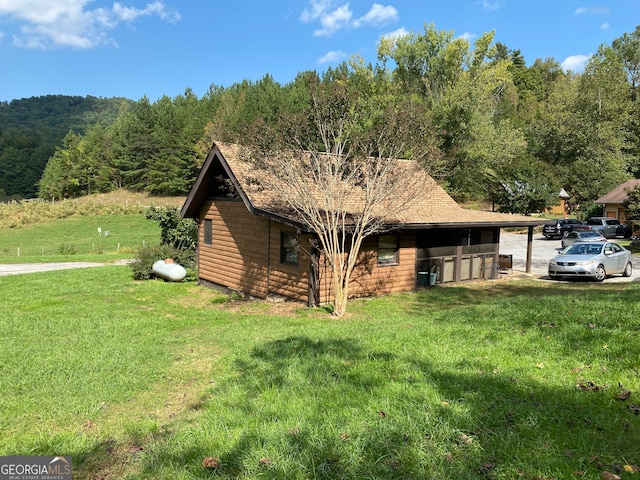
<point>169,270</point>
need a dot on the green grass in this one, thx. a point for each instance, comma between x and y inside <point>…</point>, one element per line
<point>144,380</point>
<point>76,238</point>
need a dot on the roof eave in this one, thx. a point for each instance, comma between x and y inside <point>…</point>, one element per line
<point>495,224</point>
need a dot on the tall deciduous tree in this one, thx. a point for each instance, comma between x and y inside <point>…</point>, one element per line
<point>468,93</point>
<point>336,165</point>
<point>526,186</point>
<point>599,121</point>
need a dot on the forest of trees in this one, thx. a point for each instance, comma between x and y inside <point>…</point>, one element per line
<point>503,131</point>
<point>31,128</point>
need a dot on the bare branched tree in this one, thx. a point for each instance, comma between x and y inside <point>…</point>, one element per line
<point>338,167</point>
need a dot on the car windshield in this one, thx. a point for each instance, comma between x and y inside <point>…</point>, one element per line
<point>582,249</point>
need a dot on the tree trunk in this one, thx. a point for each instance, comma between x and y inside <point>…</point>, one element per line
<point>339,301</point>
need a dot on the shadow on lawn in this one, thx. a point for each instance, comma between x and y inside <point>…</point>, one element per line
<point>393,416</point>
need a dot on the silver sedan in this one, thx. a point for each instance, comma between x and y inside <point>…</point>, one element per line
<point>582,236</point>
<point>595,260</point>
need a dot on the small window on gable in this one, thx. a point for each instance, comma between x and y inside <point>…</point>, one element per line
<point>289,248</point>
<point>388,250</point>
<point>208,231</point>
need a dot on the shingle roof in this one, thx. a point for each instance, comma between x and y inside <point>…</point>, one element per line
<point>434,209</point>
<point>619,194</point>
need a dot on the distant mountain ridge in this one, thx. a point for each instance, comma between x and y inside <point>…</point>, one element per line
<point>31,128</point>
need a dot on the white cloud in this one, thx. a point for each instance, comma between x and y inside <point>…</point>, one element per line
<point>377,15</point>
<point>68,23</point>
<point>491,5</point>
<point>468,36</point>
<point>400,32</point>
<point>318,7</point>
<point>592,11</point>
<point>332,57</point>
<point>333,21</point>
<point>129,14</point>
<point>605,26</point>
<point>575,63</point>
<point>334,17</point>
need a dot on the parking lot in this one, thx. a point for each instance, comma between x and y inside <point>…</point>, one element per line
<point>544,250</point>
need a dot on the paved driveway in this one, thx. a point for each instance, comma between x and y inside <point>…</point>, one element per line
<point>19,268</point>
<point>544,250</point>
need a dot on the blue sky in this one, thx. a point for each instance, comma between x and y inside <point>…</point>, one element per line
<point>132,48</point>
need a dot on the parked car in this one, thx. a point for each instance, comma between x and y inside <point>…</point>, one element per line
<point>595,260</point>
<point>609,227</point>
<point>558,228</point>
<point>582,236</point>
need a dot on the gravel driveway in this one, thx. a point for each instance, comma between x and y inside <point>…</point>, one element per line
<point>544,250</point>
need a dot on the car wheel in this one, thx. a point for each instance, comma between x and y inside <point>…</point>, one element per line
<point>627,270</point>
<point>601,273</point>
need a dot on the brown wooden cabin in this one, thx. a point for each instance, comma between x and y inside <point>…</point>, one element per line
<point>613,201</point>
<point>244,246</point>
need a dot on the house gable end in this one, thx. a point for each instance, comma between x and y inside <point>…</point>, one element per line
<point>215,180</point>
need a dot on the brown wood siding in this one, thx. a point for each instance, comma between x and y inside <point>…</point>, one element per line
<point>237,258</point>
<point>245,256</point>
<point>288,280</point>
<point>245,253</point>
<point>370,279</point>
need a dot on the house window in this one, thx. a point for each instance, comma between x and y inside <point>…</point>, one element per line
<point>289,248</point>
<point>208,231</point>
<point>387,249</point>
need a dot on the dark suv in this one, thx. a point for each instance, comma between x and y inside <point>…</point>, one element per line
<point>558,228</point>
<point>609,227</point>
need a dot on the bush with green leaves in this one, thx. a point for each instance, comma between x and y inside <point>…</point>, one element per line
<point>148,255</point>
<point>178,237</point>
<point>181,233</point>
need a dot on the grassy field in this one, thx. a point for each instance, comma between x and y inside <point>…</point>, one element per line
<point>515,379</point>
<point>77,239</point>
<point>100,228</point>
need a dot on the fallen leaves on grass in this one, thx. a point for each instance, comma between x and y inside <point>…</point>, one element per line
<point>634,408</point>
<point>631,468</point>
<point>624,395</point>
<point>610,476</point>
<point>589,386</point>
<point>210,462</point>
<point>486,469</point>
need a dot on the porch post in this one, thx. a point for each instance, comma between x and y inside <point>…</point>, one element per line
<point>529,248</point>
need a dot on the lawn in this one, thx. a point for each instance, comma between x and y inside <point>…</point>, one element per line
<point>76,238</point>
<point>509,379</point>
